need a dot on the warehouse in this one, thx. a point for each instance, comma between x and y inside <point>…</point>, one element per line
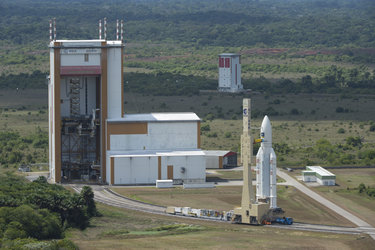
<point>143,148</point>
<point>320,175</point>
<point>220,159</point>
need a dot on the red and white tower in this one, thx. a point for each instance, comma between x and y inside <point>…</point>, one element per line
<point>230,73</point>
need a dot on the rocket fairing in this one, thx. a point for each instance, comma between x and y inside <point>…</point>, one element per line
<point>266,166</point>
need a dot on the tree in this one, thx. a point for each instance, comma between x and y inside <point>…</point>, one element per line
<point>361,188</point>
<point>88,196</point>
<point>354,141</point>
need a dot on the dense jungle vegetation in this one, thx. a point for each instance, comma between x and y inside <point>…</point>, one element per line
<point>31,212</point>
<point>291,23</point>
<point>324,46</point>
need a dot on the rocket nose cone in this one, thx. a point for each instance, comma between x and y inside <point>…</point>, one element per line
<point>266,130</point>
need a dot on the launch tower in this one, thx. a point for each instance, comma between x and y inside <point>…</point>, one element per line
<point>85,89</point>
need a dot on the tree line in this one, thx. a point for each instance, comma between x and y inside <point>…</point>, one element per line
<point>39,210</point>
<point>334,80</point>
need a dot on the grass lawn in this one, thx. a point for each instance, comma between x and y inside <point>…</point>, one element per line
<point>217,174</point>
<point>296,204</point>
<point>23,110</point>
<point>345,193</point>
<point>126,229</point>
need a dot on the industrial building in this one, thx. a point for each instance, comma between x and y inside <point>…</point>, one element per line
<point>230,73</point>
<point>320,175</point>
<point>90,136</point>
<point>220,159</point>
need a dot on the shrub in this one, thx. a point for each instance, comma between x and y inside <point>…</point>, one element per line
<point>341,110</point>
<point>361,188</point>
<point>354,141</point>
<point>214,134</point>
<point>210,117</point>
<point>294,112</point>
<point>341,131</point>
<point>205,127</point>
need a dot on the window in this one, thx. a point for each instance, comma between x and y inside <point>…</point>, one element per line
<point>86,57</point>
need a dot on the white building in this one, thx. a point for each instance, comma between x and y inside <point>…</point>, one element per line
<point>230,73</point>
<point>320,175</point>
<point>220,159</point>
<point>143,148</point>
<point>90,136</point>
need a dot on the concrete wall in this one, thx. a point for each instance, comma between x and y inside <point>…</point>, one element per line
<point>326,182</point>
<point>309,178</point>
<point>160,136</point>
<point>130,170</point>
<point>51,118</point>
<point>195,168</point>
<point>114,83</point>
<point>212,161</point>
<point>79,60</point>
<point>135,170</point>
<point>230,78</point>
<point>235,83</point>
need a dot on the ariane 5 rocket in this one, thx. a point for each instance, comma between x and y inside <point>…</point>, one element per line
<point>266,166</point>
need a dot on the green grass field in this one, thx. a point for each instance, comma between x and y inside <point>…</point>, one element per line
<point>345,193</point>
<point>25,111</point>
<point>296,204</point>
<point>126,229</point>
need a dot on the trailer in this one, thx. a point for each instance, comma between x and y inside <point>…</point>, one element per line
<point>201,213</point>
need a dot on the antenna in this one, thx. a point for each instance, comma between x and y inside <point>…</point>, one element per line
<point>54,28</point>
<point>117,29</point>
<point>105,28</point>
<point>100,29</point>
<point>122,30</point>
<point>50,30</point>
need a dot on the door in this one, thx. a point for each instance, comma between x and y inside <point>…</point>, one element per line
<point>170,172</point>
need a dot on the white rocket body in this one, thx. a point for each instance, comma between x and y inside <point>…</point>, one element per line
<point>266,166</point>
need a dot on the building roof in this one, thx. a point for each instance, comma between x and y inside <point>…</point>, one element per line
<point>157,117</point>
<point>146,153</point>
<point>218,152</point>
<point>308,172</point>
<point>86,43</point>
<point>229,54</point>
<point>320,171</point>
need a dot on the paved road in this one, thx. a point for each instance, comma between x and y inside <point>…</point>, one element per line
<point>32,176</point>
<point>105,195</point>
<point>363,226</point>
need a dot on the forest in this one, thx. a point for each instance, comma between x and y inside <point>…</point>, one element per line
<point>290,23</point>
<point>324,46</point>
<point>31,212</point>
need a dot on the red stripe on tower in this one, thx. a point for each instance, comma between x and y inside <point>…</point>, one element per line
<point>236,73</point>
<point>221,62</point>
<point>227,63</point>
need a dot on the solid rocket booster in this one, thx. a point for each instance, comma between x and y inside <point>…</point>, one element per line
<point>266,166</point>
